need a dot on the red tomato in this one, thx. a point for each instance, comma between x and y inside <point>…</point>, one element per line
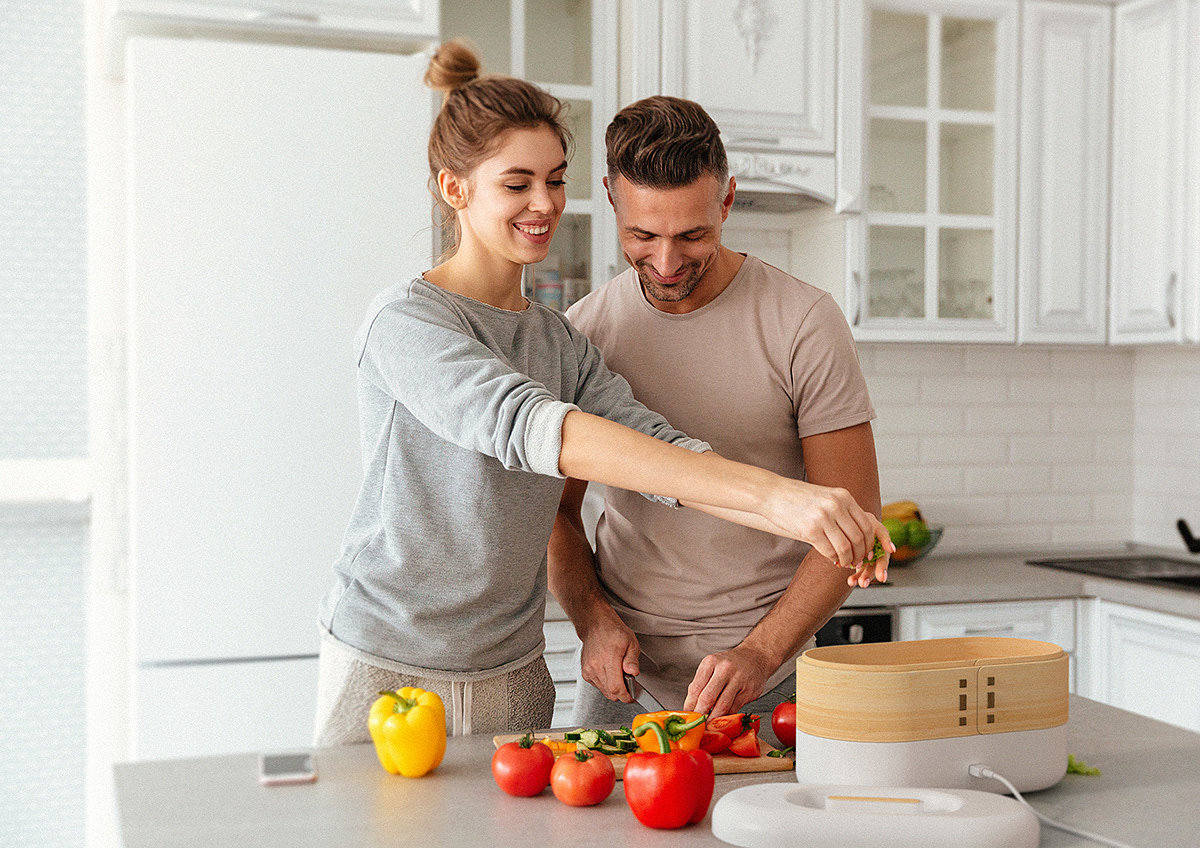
<point>734,725</point>
<point>669,790</point>
<point>522,768</point>
<point>583,778</point>
<point>783,722</point>
<point>714,742</point>
<point>745,745</point>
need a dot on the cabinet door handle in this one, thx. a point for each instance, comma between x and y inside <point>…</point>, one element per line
<point>989,631</point>
<point>858,297</point>
<point>1172,282</point>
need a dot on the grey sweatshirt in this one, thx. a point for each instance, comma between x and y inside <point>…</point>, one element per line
<point>443,565</point>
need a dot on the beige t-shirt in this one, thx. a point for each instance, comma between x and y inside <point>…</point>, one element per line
<point>767,362</point>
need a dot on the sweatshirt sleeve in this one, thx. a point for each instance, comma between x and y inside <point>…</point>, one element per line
<point>420,354</point>
<point>605,393</point>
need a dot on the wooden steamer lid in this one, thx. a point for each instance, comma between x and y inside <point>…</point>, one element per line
<point>930,689</point>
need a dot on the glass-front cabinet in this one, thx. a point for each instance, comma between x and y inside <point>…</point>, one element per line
<point>569,48</point>
<point>930,257</point>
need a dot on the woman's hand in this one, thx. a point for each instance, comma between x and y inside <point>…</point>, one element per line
<point>832,522</point>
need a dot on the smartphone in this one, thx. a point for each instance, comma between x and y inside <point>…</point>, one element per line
<point>285,768</point>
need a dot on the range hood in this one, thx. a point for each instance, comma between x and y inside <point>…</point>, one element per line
<point>774,181</point>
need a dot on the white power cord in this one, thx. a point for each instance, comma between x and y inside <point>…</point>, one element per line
<point>980,770</point>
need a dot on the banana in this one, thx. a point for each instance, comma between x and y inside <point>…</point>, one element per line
<point>902,510</point>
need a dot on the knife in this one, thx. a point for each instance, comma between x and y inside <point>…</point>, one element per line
<point>641,695</point>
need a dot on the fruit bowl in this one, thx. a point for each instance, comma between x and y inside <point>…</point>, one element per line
<point>905,554</point>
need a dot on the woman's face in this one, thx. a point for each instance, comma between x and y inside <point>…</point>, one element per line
<point>515,197</point>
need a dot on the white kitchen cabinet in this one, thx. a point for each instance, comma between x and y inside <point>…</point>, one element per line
<point>1191,262</point>
<point>766,74</point>
<point>1062,273</point>
<point>932,256</point>
<point>1049,621</point>
<point>1143,661</point>
<point>1149,71</point>
<point>569,47</point>
<point>387,25</point>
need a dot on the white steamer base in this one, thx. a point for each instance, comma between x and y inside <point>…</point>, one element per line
<point>777,815</point>
<point>1031,759</point>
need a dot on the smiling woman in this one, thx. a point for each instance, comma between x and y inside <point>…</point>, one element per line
<point>474,405</point>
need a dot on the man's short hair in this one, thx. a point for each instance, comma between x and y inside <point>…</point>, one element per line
<point>664,142</point>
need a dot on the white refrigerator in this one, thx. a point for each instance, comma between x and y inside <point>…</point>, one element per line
<point>273,190</point>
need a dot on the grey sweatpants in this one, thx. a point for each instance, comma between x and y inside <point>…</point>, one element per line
<point>349,681</point>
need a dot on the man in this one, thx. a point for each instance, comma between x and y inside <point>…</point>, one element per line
<point>706,614</point>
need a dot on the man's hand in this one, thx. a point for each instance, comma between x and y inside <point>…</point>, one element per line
<point>610,650</point>
<point>724,682</point>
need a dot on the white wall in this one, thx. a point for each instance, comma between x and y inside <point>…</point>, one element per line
<point>1166,452</point>
<point>1007,446</point>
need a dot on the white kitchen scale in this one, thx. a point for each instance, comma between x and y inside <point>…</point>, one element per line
<point>777,815</point>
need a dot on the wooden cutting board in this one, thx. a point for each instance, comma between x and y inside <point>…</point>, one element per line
<point>724,763</point>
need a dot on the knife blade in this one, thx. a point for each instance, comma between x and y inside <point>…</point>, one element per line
<point>641,695</point>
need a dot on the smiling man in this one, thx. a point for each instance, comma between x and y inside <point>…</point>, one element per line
<point>708,615</point>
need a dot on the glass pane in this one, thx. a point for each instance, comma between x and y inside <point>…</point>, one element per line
<point>579,170</point>
<point>896,279</point>
<point>899,58</point>
<point>896,164</point>
<point>966,169</point>
<point>968,64</point>
<point>558,41</point>
<point>563,276</point>
<point>486,26</point>
<point>965,274</point>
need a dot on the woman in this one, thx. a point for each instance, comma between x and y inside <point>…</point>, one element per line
<point>475,404</point>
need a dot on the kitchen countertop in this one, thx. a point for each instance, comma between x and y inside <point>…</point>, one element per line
<point>1146,796</point>
<point>969,578</point>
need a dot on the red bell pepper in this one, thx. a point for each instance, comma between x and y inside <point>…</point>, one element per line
<point>668,789</point>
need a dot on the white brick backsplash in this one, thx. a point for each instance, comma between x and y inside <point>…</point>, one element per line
<point>963,450</point>
<point>1092,418</point>
<point>914,483</point>
<point>1099,478</point>
<point>1050,509</point>
<point>1009,419</point>
<point>1048,389</point>
<point>1016,446</point>
<point>920,419</point>
<point>1007,479</point>
<point>971,388</point>
<point>1066,448</point>
<point>1005,361</point>
<point>1095,362</point>
<point>894,389</point>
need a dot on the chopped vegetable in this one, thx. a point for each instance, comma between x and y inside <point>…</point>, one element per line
<point>1075,766</point>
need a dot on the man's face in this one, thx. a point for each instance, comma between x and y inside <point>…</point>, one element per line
<point>671,236</point>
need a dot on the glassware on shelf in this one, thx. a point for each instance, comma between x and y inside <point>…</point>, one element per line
<point>899,58</point>
<point>968,64</point>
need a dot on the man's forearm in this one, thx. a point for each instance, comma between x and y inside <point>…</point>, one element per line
<point>571,573</point>
<point>815,593</point>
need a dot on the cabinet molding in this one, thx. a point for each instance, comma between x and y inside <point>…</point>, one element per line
<point>779,100</point>
<point>1062,270</point>
<point>1147,197</point>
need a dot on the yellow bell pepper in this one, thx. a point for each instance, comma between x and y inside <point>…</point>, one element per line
<point>408,728</point>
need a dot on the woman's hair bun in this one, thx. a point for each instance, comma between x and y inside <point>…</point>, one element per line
<point>453,65</point>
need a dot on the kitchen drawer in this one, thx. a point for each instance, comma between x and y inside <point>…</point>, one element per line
<point>560,636</point>
<point>1050,621</point>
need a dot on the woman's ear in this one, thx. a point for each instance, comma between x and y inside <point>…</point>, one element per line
<point>453,189</point>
